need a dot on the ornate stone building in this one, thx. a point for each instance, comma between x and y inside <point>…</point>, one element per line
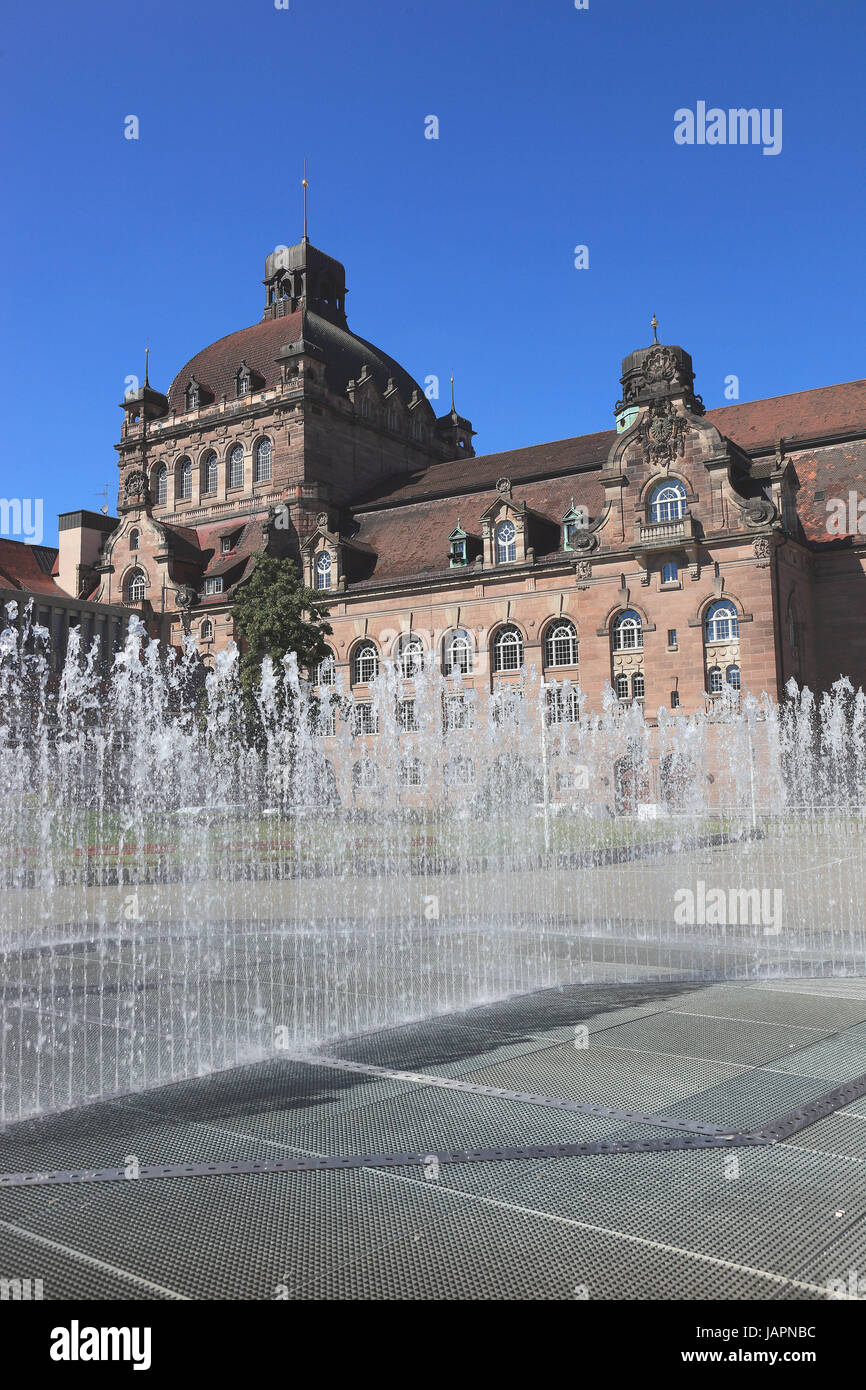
<point>681,554</point>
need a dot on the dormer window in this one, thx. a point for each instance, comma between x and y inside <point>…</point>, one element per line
<point>574,524</point>
<point>243,380</point>
<point>323,568</point>
<point>227,545</point>
<point>506,543</point>
<point>214,585</point>
<point>193,395</point>
<point>458,546</point>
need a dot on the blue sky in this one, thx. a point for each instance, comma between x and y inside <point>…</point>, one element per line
<point>556,130</point>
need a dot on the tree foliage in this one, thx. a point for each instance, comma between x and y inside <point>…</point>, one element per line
<point>275,613</point>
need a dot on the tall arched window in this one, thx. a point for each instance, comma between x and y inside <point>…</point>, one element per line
<point>206,630</point>
<point>620,686</point>
<point>326,671</point>
<point>183,483</point>
<point>732,676</point>
<point>134,539</point>
<point>410,655</point>
<point>458,653</point>
<point>210,472</point>
<point>722,622</point>
<point>507,649</point>
<point>323,567</point>
<point>262,462</point>
<point>136,586</point>
<point>637,685</point>
<point>628,632</point>
<point>365,663</point>
<point>668,502</point>
<point>236,466</point>
<point>715,683</point>
<point>560,644</point>
<point>160,486</point>
<point>506,543</point>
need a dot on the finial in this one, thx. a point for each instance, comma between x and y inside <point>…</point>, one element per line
<point>453,411</point>
<point>654,326</point>
<point>146,365</point>
<point>305,183</point>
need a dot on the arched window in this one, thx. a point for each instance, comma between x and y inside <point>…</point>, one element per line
<point>206,630</point>
<point>160,486</point>
<point>722,621</point>
<point>410,655</point>
<point>732,675</point>
<point>637,685</point>
<point>134,539</point>
<point>458,653</point>
<point>324,565</point>
<point>507,649</point>
<point>620,686</point>
<point>365,663</point>
<point>506,543</point>
<point>136,586</point>
<point>326,671</point>
<point>236,466</point>
<point>183,482</point>
<point>715,684</point>
<point>262,462</point>
<point>210,472</point>
<point>459,772</point>
<point>668,502</point>
<point>560,644</point>
<point>628,632</point>
<point>670,572</point>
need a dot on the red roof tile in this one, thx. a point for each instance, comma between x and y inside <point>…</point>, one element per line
<point>28,567</point>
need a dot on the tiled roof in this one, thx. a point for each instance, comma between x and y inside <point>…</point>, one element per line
<point>406,521</point>
<point>28,567</point>
<point>343,353</point>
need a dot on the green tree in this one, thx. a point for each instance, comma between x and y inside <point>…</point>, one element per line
<point>274,614</point>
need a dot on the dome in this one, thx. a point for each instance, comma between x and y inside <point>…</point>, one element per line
<point>306,296</point>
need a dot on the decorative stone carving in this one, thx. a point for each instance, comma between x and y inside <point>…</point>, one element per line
<point>503,485</point>
<point>662,434</point>
<point>586,541</point>
<point>322,520</point>
<point>759,512</point>
<point>660,365</point>
<point>135,485</point>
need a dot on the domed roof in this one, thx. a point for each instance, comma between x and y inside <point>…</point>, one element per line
<point>317,283</point>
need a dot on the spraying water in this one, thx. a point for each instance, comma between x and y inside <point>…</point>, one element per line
<point>178,897</point>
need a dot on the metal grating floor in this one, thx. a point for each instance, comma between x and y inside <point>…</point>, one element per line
<point>757,1223</point>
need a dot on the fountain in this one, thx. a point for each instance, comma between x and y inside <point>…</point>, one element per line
<point>178,899</point>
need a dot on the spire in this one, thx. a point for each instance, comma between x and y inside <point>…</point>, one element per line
<point>305,184</point>
<point>453,410</point>
<point>146,364</point>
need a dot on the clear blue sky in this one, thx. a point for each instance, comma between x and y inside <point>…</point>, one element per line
<point>556,129</point>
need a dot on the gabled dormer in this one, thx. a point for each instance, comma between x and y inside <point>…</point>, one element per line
<point>195,395</point>
<point>247,381</point>
<point>575,526</point>
<point>458,547</point>
<point>504,526</point>
<point>322,558</point>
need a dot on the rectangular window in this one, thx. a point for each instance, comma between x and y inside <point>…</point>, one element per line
<point>675,699</point>
<point>459,713</point>
<point>563,707</point>
<point>214,586</point>
<point>672,637</point>
<point>364,720</point>
<point>406,716</point>
<point>226,545</point>
<point>671,573</point>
